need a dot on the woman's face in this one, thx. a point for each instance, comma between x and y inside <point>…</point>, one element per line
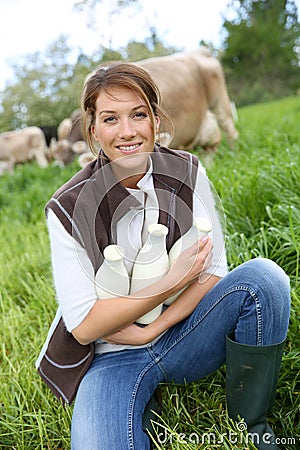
<point>124,131</point>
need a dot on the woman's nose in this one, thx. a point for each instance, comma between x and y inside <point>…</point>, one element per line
<point>126,129</point>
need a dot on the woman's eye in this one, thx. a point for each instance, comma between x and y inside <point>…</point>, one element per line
<point>109,119</point>
<point>140,115</point>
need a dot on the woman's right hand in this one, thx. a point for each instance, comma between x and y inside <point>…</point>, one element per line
<point>192,262</point>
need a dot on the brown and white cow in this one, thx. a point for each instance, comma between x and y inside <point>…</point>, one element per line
<point>194,93</point>
<point>64,128</point>
<point>70,140</point>
<point>22,146</point>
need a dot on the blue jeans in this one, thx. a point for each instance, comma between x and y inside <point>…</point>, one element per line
<point>253,300</point>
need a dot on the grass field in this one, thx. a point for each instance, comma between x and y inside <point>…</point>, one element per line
<point>259,186</point>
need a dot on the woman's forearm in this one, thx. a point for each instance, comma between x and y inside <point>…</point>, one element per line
<point>107,316</point>
<point>181,308</point>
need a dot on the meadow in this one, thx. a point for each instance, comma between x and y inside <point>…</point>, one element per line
<point>258,183</point>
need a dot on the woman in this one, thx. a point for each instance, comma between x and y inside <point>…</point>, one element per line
<point>241,316</point>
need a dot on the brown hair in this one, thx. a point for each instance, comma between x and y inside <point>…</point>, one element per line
<point>119,74</point>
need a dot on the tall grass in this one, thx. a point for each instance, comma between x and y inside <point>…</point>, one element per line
<point>259,185</point>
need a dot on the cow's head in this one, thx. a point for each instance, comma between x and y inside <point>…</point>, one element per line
<point>61,152</point>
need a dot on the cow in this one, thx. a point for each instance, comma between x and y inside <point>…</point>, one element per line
<point>71,141</point>
<point>64,129</point>
<point>50,132</point>
<point>194,93</point>
<point>21,146</point>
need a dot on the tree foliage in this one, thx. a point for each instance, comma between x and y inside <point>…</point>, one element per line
<point>44,89</point>
<point>261,49</point>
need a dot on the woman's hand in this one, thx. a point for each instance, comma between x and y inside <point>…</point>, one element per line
<point>192,262</point>
<point>130,335</point>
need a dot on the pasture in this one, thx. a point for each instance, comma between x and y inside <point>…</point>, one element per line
<point>259,186</point>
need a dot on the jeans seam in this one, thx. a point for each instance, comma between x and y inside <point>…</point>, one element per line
<point>228,292</point>
<point>132,402</point>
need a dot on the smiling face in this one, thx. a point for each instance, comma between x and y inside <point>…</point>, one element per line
<point>123,128</point>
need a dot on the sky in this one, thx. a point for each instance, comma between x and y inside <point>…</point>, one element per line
<point>28,26</point>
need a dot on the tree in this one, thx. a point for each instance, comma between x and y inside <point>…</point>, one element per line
<point>261,49</point>
<point>153,46</point>
<point>43,93</point>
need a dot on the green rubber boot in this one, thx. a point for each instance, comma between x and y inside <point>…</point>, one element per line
<point>252,374</point>
<point>153,407</point>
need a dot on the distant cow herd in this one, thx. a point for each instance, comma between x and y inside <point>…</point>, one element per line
<point>193,92</point>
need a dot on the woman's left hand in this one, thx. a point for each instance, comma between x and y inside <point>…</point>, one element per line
<point>130,335</point>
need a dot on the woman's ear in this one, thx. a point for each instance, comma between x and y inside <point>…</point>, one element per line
<point>157,123</point>
<point>94,134</point>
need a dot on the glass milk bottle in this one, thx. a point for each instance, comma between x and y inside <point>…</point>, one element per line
<point>111,279</point>
<point>151,264</point>
<point>201,227</point>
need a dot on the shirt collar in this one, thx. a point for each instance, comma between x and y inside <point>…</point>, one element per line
<point>146,183</point>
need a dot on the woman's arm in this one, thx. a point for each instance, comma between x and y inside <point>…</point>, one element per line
<point>111,315</point>
<point>179,310</point>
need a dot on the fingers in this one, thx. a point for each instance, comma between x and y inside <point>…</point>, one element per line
<point>193,261</point>
<point>201,248</point>
<point>202,243</point>
<point>204,255</point>
<point>198,258</point>
<point>207,262</point>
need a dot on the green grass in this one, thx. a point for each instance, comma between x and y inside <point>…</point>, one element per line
<point>259,186</point>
